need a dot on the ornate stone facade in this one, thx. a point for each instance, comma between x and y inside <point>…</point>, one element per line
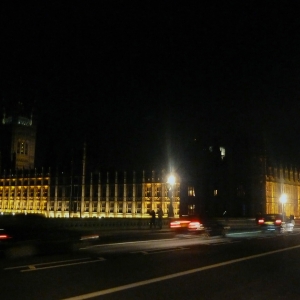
<point>63,195</point>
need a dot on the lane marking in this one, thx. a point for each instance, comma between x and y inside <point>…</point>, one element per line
<point>223,243</point>
<point>157,251</point>
<point>145,241</point>
<point>32,267</point>
<point>47,263</point>
<point>126,243</point>
<point>63,265</point>
<point>243,232</point>
<point>175,275</point>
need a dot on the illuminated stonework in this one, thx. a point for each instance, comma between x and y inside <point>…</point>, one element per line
<point>282,181</point>
<point>64,196</point>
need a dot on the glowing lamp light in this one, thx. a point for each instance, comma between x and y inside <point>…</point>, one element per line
<point>283,198</point>
<point>171,182</point>
<point>171,179</point>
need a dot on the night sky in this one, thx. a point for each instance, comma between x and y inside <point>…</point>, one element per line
<point>141,81</point>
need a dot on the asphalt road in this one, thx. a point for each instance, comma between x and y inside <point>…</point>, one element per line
<point>162,266</point>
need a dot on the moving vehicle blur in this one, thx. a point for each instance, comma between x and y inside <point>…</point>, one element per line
<point>28,235</point>
<point>198,224</point>
<point>275,222</point>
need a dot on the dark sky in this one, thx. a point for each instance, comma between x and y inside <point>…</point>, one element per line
<point>140,80</point>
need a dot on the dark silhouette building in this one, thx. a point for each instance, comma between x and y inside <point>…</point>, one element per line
<point>17,139</point>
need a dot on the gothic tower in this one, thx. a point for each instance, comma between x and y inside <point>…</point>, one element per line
<point>17,139</point>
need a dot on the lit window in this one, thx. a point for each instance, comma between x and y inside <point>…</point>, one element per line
<point>148,191</point>
<point>191,191</point>
<point>148,206</point>
<point>157,192</point>
<point>222,150</point>
<point>94,206</point>
<point>215,192</point>
<point>120,207</point>
<point>103,207</point>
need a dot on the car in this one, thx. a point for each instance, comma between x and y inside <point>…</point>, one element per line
<point>189,223</point>
<point>198,224</point>
<point>28,235</point>
<point>275,223</point>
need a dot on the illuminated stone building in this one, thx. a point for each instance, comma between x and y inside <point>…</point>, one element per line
<point>112,195</point>
<point>282,180</point>
<point>234,181</point>
<point>23,189</point>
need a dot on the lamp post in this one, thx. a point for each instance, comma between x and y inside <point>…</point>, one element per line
<point>171,182</point>
<point>282,200</point>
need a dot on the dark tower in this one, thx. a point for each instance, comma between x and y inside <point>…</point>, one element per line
<point>17,139</point>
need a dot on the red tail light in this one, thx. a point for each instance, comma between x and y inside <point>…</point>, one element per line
<point>278,222</point>
<point>4,236</point>
<point>261,221</point>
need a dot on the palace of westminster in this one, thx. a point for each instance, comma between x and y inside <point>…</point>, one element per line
<point>217,185</point>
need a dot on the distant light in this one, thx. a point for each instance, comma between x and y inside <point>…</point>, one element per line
<point>222,150</point>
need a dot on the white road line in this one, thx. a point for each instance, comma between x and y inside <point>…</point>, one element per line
<point>179,274</point>
<point>47,263</point>
<point>64,265</point>
<point>32,267</point>
<point>223,243</point>
<point>126,243</point>
<point>243,233</point>
<point>157,251</point>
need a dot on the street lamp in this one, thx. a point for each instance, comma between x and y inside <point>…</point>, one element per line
<point>171,182</point>
<point>283,199</point>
